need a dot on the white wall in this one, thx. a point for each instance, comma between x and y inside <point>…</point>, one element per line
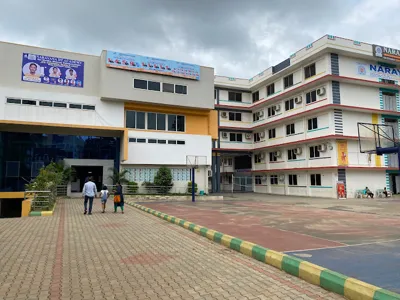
<point>359,95</point>
<point>105,113</point>
<point>359,179</point>
<point>160,154</point>
<point>350,120</point>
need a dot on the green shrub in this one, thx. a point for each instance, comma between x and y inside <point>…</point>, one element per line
<point>189,189</point>
<point>163,180</point>
<point>132,188</point>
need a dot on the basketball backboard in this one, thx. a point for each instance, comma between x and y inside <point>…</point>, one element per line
<point>195,161</point>
<point>374,136</point>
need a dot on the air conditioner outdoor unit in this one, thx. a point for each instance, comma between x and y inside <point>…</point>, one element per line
<point>209,173</point>
<point>322,148</point>
<point>224,114</point>
<point>225,135</point>
<point>248,136</point>
<point>264,178</point>
<point>277,107</point>
<point>298,99</point>
<point>281,178</point>
<point>298,151</point>
<point>261,113</point>
<point>261,156</point>
<point>262,134</point>
<point>278,153</point>
<point>321,91</point>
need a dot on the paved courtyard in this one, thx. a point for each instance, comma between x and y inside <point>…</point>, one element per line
<point>357,237</point>
<point>129,256</point>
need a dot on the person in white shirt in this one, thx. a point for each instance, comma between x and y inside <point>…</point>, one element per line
<point>89,192</point>
<point>104,194</point>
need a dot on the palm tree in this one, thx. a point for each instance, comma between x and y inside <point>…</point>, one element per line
<point>119,176</point>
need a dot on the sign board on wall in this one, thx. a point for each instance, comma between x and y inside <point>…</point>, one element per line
<point>378,71</point>
<point>341,190</point>
<point>342,152</point>
<point>138,63</point>
<point>52,70</point>
<point>386,53</point>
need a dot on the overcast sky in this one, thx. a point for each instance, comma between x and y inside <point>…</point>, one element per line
<point>239,38</point>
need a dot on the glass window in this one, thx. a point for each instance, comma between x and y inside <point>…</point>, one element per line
<point>270,89</point>
<point>171,122</point>
<point>256,96</point>
<point>292,154</point>
<point>311,97</point>
<point>58,104</point>
<point>141,140</point>
<point>13,101</point>
<point>288,81</point>
<point>272,156</point>
<point>292,179</point>
<point>233,96</point>
<point>162,141</point>
<point>29,102</point>
<point>180,142</point>
<point>140,84</point>
<point>314,152</point>
<point>309,71</point>
<point>152,141</point>
<point>274,179</point>
<point>180,89</point>
<point>89,107</point>
<point>130,119</point>
<point>161,121</point>
<point>151,121</point>
<point>312,123</point>
<point>289,104</point>
<point>154,86</point>
<point>316,179</point>
<point>75,106</point>
<point>132,140</point>
<point>46,103</point>
<point>140,120</point>
<point>290,129</point>
<point>234,116</point>
<point>181,123</point>
<point>257,179</point>
<point>272,133</point>
<point>168,88</point>
<point>171,142</point>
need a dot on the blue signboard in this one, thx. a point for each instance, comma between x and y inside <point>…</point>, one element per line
<point>138,63</point>
<point>52,70</point>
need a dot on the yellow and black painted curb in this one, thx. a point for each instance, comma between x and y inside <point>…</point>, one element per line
<point>351,288</point>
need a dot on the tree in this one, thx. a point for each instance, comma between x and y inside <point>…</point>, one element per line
<point>119,176</point>
<point>48,179</point>
<point>163,180</point>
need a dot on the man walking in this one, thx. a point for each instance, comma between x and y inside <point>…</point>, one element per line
<point>89,192</point>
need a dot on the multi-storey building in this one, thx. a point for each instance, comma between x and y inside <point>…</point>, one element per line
<point>292,129</point>
<point>96,113</point>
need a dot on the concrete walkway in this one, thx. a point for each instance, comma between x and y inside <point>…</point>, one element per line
<point>130,256</point>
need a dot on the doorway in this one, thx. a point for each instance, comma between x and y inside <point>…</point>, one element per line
<point>82,173</point>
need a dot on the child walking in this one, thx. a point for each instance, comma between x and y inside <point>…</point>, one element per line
<point>118,198</point>
<point>104,194</point>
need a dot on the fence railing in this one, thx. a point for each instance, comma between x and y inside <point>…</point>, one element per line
<point>41,200</point>
<point>61,190</point>
<point>151,190</point>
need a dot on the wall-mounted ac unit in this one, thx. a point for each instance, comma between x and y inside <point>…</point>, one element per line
<point>298,151</point>
<point>264,178</point>
<point>262,134</point>
<point>225,135</point>
<point>209,173</point>
<point>298,100</point>
<point>281,178</point>
<point>248,136</point>
<point>224,114</point>
<point>261,113</point>
<point>278,153</point>
<point>322,148</point>
<point>261,156</point>
<point>321,91</point>
<point>277,107</point>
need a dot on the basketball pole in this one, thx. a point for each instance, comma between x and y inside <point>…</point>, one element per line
<point>193,185</point>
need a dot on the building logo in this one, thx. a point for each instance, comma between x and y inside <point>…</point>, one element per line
<point>378,51</point>
<point>378,71</point>
<point>386,53</point>
<point>362,70</point>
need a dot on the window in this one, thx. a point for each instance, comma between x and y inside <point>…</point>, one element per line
<point>271,111</point>
<point>273,156</point>
<point>88,107</point>
<point>272,133</point>
<point>388,81</point>
<point>258,158</point>
<point>181,123</point>
<point>315,179</point>
<point>176,123</point>
<point>311,97</point>
<point>314,152</point>
<point>13,101</point>
<point>288,81</point>
<point>140,120</point>
<point>292,154</point>
<point>258,179</point>
<point>256,116</point>
<point>273,179</point>
<point>180,89</point>
<point>161,118</point>
<point>58,104</point>
<point>309,71</point>
<point>29,102</point>
<point>168,88</point>
<point>271,89</point>
<point>256,96</point>
<point>292,179</point>
<point>180,142</point>
<point>151,121</point>
<point>171,142</point>
<point>130,119</point>
<point>154,86</point>
<point>215,94</point>
<point>229,162</point>
<point>289,104</point>
<point>140,84</point>
<point>132,140</point>
<point>46,103</point>
<point>290,129</point>
<point>161,141</point>
<point>75,106</point>
<point>233,96</point>
<point>312,123</point>
<point>152,141</point>
<point>257,137</point>
<point>235,137</point>
<point>234,116</point>
<point>141,140</point>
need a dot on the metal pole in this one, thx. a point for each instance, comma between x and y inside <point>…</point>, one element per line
<point>193,185</point>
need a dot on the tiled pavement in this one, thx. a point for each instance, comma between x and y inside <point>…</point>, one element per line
<point>129,256</point>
